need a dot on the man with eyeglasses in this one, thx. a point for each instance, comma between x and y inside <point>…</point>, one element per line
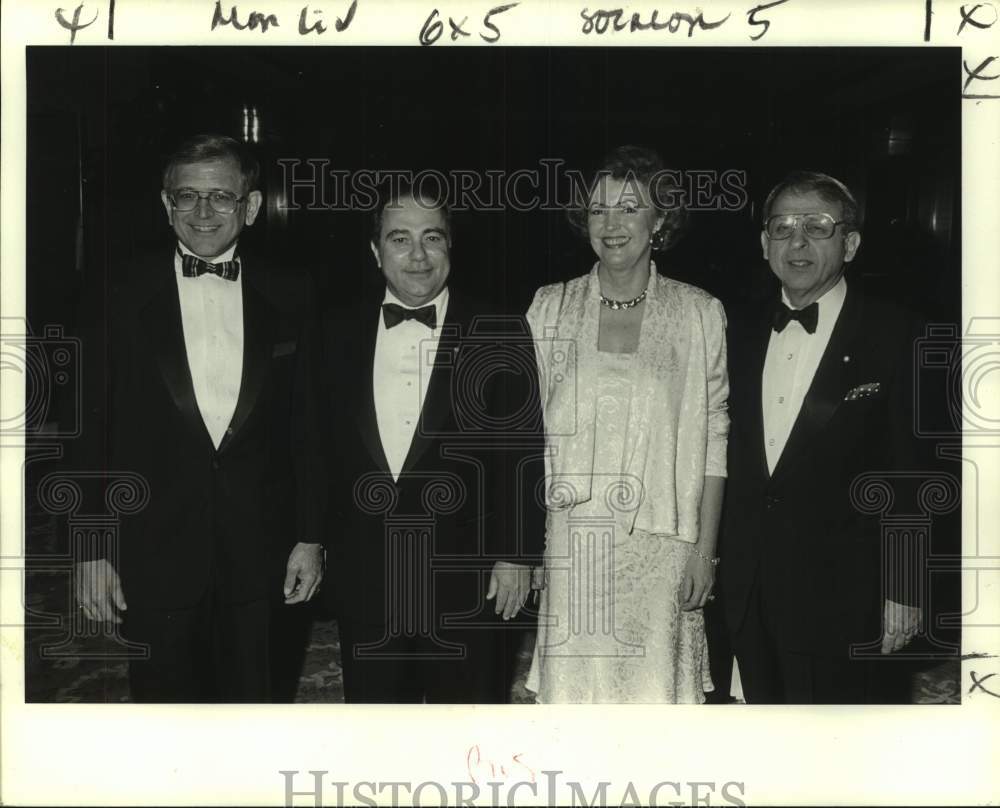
<point>821,391</point>
<point>201,393</point>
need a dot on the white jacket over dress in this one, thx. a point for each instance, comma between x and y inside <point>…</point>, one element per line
<point>678,422</point>
<point>630,436</point>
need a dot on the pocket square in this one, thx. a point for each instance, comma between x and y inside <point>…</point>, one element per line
<point>863,391</point>
<point>283,348</point>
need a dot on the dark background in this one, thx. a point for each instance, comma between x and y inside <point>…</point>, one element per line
<point>884,120</point>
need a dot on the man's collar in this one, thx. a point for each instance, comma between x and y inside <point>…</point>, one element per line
<point>834,296</point>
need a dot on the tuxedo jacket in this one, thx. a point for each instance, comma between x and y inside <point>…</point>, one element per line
<point>799,533</point>
<point>225,516</point>
<point>469,491</point>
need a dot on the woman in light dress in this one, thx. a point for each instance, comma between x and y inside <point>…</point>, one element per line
<point>634,388</point>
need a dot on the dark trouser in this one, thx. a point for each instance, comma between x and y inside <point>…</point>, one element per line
<point>774,675</point>
<point>720,649</point>
<point>212,652</point>
<point>414,669</point>
<point>291,627</point>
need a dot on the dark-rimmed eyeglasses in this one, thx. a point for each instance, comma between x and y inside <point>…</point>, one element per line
<point>814,225</point>
<point>185,199</point>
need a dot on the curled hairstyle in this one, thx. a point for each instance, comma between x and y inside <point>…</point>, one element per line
<point>203,148</point>
<point>644,166</point>
<point>828,188</point>
<point>391,195</point>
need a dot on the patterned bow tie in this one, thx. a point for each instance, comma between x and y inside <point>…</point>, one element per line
<point>394,315</point>
<point>808,317</point>
<point>192,267</point>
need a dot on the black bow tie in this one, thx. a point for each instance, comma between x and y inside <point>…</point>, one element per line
<point>808,317</point>
<point>394,315</point>
<point>192,267</point>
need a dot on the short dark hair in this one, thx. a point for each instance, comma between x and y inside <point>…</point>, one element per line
<point>644,165</point>
<point>203,148</point>
<point>830,189</point>
<point>393,194</point>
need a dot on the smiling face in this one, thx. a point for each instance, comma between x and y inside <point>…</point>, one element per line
<point>808,267</point>
<point>413,251</point>
<point>202,230</point>
<point>621,220</point>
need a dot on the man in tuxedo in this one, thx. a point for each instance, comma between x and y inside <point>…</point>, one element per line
<point>196,375</point>
<point>436,450</point>
<point>821,392</point>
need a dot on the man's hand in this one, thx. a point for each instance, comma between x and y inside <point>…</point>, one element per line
<point>303,572</point>
<point>98,591</point>
<point>510,585</point>
<point>699,578</point>
<point>901,623</point>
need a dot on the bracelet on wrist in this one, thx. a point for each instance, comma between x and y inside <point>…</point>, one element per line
<point>713,561</point>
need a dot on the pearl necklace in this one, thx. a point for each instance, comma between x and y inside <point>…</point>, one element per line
<point>616,305</point>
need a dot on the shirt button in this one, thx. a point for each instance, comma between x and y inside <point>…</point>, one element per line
<point>781,399</point>
<point>771,442</point>
<point>790,356</point>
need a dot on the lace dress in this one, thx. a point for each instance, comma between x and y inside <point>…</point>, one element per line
<point>611,628</point>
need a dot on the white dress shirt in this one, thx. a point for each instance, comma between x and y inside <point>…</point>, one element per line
<point>404,359</point>
<point>212,318</point>
<point>792,358</point>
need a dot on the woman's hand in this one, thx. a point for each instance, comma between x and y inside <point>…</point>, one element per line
<point>699,573</point>
<point>699,578</point>
<point>509,584</point>
<point>539,580</point>
<point>539,577</point>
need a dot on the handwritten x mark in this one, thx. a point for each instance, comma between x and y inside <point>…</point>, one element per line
<point>969,17</point>
<point>977,684</point>
<point>977,73</point>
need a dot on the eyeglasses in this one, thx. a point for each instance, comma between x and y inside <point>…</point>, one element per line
<point>814,225</point>
<point>184,199</point>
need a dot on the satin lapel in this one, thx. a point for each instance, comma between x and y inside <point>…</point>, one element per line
<point>162,315</point>
<point>827,389</point>
<point>438,405</point>
<point>750,407</point>
<point>257,346</point>
<point>366,328</point>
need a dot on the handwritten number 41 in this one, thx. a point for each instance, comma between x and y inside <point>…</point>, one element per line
<point>73,25</point>
<point>433,27</point>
